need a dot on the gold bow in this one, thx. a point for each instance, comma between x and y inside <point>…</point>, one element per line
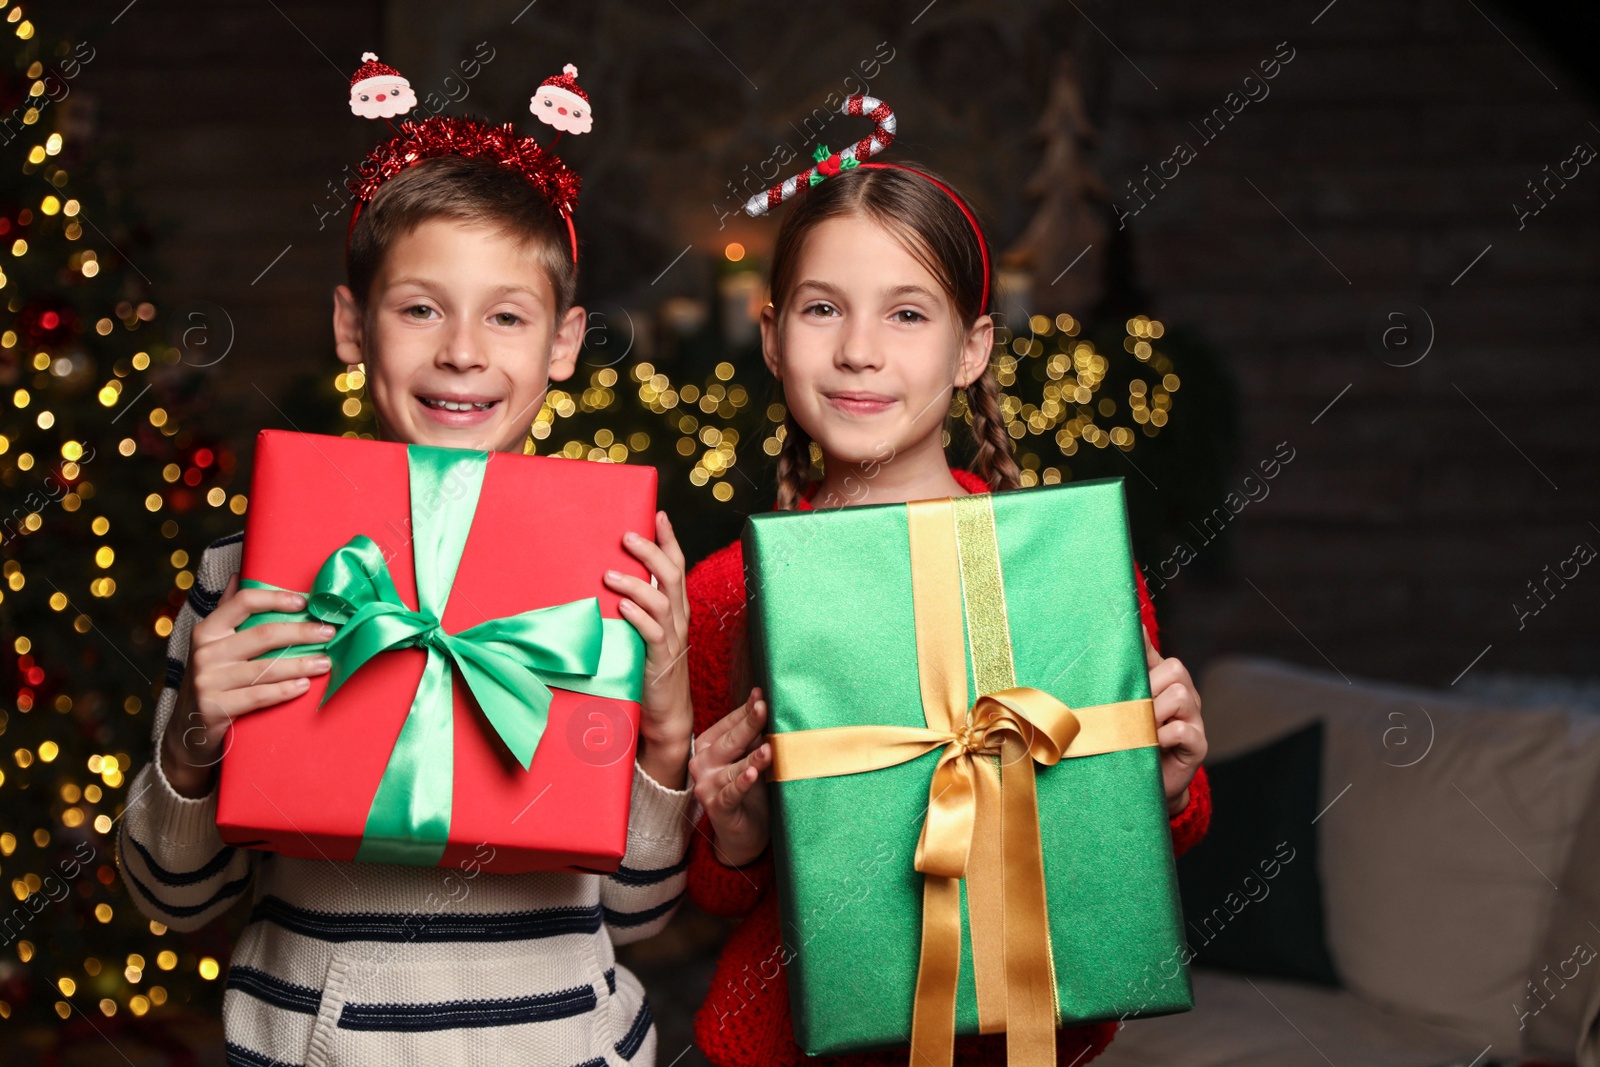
<point>981,825</point>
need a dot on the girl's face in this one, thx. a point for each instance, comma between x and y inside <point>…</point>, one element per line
<point>869,347</point>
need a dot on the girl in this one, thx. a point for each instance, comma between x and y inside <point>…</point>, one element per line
<point>878,283</point>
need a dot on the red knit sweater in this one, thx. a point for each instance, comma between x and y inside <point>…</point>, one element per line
<point>745,1018</point>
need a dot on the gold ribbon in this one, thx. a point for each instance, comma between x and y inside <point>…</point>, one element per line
<point>981,825</point>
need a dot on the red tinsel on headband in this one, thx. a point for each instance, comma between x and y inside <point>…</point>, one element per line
<point>443,136</point>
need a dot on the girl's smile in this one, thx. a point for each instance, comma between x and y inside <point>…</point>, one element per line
<point>859,402</point>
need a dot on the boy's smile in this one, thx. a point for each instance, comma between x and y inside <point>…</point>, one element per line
<point>460,337</point>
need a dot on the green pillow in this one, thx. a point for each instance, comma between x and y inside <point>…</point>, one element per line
<point>1252,900</point>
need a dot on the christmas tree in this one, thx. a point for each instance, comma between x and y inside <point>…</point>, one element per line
<point>1091,369</point>
<point>108,501</point>
<point>1067,239</point>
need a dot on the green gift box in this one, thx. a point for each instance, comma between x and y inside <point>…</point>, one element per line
<point>865,623</point>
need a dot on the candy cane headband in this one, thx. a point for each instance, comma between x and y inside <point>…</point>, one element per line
<point>829,164</point>
<point>378,91</point>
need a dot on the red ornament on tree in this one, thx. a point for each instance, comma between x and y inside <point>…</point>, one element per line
<point>47,322</point>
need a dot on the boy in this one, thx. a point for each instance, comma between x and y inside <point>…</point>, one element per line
<point>460,306</point>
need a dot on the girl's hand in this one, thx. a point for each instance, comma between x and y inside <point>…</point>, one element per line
<point>224,679</point>
<point>1179,731</point>
<point>726,769</point>
<point>660,613</point>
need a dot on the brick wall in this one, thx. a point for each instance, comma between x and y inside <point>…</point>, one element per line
<point>1396,141</point>
<point>217,115</point>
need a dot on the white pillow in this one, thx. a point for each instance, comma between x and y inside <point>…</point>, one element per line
<point>1446,826</point>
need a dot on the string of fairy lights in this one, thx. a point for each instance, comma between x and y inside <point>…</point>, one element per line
<point>1053,393</point>
<point>76,575</point>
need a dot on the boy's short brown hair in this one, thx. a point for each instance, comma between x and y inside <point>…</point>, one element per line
<point>474,191</point>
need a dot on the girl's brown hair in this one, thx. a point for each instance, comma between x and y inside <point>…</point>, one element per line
<point>933,228</point>
<point>472,190</point>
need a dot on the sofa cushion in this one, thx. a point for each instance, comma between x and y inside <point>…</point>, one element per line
<point>1239,1021</point>
<point>1252,900</point>
<point>1445,826</point>
<point>1564,998</point>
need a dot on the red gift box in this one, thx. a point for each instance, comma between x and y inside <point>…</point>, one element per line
<point>299,779</point>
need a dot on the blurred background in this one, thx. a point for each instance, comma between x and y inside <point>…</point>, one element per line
<point>1317,280</point>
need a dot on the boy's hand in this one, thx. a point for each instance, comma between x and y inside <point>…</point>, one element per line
<point>727,765</point>
<point>1179,731</point>
<point>661,615</point>
<point>224,679</point>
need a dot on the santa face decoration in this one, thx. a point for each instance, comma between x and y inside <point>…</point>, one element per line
<point>560,103</point>
<point>382,98</point>
<point>378,91</point>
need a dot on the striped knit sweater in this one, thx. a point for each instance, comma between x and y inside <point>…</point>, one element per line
<point>353,963</point>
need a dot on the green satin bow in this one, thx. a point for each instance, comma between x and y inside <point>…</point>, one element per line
<point>510,664</point>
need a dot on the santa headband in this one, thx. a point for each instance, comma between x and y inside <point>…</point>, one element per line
<point>378,91</point>
<point>829,164</point>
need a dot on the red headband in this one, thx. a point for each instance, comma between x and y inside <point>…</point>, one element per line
<point>379,91</point>
<point>829,164</point>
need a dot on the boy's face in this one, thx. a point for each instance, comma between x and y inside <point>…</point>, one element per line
<point>460,337</point>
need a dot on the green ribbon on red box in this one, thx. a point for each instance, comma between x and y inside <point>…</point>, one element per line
<point>510,664</point>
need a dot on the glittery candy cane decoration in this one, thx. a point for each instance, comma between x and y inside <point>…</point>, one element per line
<point>829,164</point>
